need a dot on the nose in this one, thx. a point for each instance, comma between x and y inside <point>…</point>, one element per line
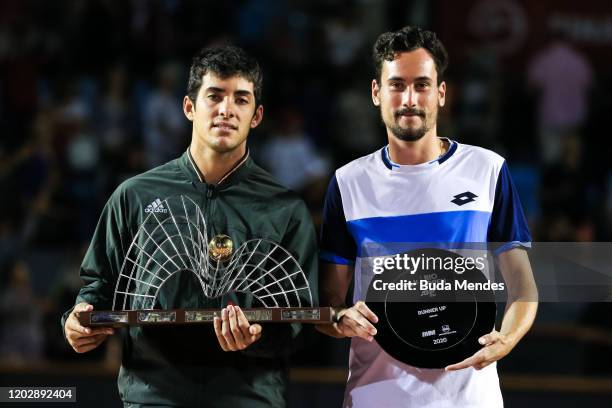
<point>226,108</point>
<point>409,97</point>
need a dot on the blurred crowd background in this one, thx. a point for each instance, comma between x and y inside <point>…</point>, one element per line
<point>90,94</point>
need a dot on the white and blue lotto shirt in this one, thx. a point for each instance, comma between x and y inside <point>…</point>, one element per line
<point>466,195</point>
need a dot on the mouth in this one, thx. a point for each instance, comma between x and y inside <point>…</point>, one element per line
<point>225,126</point>
<point>409,113</point>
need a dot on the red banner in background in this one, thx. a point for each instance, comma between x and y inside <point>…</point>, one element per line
<point>514,30</point>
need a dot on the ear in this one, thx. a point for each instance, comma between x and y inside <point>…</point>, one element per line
<point>442,94</point>
<point>375,92</point>
<point>188,108</point>
<point>257,117</point>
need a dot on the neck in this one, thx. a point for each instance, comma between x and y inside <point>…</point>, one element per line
<point>424,150</point>
<point>212,164</point>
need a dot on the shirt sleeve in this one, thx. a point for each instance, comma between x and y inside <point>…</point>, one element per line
<point>508,227</point>
<point>102,262</point>
<point>337,243</point>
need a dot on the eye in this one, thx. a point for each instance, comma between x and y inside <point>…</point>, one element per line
<point>396,85</point>
<point>242,101</point>
<point>421,86</point>
<point>214,97</point>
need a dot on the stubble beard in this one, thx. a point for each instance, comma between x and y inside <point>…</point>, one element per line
<point>410,134</point>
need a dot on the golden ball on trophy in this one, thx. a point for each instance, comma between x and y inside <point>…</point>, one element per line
<point>220,248</point>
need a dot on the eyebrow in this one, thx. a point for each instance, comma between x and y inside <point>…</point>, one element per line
<point>421,78</point>
<point>240,92</point>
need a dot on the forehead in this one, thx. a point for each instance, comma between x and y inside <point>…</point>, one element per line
<point>409,65</point>
<point>230,84</point>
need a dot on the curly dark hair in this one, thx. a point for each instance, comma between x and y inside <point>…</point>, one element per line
<point>225,62</point>
<point>405,40</point>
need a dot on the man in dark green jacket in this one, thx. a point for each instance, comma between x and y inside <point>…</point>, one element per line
<point>233,363</point>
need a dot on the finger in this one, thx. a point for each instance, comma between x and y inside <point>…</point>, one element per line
<point>75,330</point>
<point>226,330</point>
<point>218,326</point>
<point>87,348</point>
<point>235,329</point>
<point>468,362</point>
<point>73,324</point>
<point>84,349</point>
<point>365,310</point>
<point>345,329</point>
<point>88,344</point>
<point>83,307</point>
<point>482,365</point>
<point>255,331</point>
<point>89,340</point>
<point>490,338</point>
<point>94,331</point>
<point>351,328</point>
<point>243,322</point>
<point>362,321</point>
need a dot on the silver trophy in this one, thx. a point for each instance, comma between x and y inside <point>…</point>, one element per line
<point>173,239</point>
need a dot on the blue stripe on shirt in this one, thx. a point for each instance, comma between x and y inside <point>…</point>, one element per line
<point>453,226</point>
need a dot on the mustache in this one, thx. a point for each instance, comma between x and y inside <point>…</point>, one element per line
<point>409,111</point>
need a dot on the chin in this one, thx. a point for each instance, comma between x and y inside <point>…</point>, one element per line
<point>409,135</point>
<point>223,148</point>
<point>409,138</point>
<point>225,145</point>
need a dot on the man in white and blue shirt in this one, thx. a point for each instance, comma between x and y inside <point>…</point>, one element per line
<point>420,188</point>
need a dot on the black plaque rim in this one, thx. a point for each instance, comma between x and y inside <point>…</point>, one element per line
<point>484,314</point>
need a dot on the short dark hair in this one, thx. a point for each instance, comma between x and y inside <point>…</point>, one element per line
<point>405,40</point>
<point>224,62</point>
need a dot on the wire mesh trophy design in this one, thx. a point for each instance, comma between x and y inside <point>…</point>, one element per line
<point>173,239</point>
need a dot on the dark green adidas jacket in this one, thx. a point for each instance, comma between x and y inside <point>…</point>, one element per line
<point>184,365</point>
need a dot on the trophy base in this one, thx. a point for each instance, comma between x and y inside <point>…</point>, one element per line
<point>108,318</point>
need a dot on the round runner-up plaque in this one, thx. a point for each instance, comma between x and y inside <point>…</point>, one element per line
<point>437,319</point>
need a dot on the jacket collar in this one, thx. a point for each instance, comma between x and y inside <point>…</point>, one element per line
<point>188,165</point>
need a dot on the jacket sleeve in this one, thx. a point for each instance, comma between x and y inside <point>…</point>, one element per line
<point>102,262</point>
<point>300,240</point>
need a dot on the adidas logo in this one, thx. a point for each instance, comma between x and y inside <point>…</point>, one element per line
<point>156,207</point>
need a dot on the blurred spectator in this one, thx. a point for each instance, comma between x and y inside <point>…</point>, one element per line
<point>28,177</point>
<point>345,36</point>
<point>479,99</point>
<point>114,122</point>
<point>290,155</point>
<point>21,338</point>
<point>164,121</point>
<point>255,19</point>
<point>564,196</point>
<point>82,185</point>
<point>10,243</point>
<point>355,124</point>
<point>562,76</point>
